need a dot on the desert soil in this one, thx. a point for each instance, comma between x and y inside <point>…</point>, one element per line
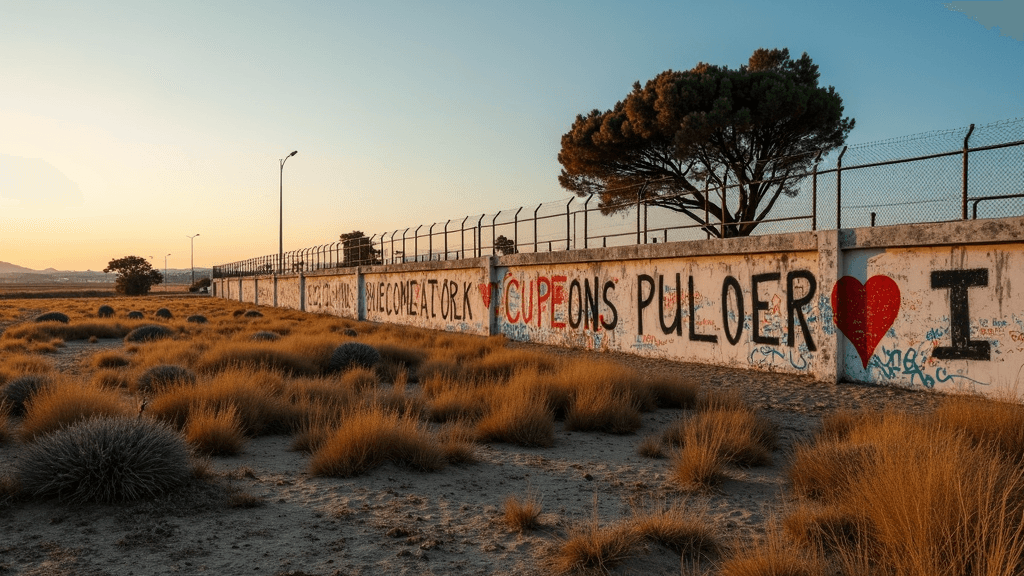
<point>397,521</point>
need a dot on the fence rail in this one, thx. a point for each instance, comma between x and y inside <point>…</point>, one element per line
<point>932,177</point>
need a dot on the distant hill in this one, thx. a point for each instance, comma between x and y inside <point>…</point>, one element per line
<point>8,268</point>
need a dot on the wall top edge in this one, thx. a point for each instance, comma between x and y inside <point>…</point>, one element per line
<point>957,232</point>
<point>427,266</point>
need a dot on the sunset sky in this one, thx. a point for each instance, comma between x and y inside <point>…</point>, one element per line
<point>127,126</point>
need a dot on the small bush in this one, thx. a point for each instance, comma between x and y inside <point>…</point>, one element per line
<point>215,433</point>
<point>18,391</point>
<point>522,514</point>
<point>63,403</point>
<point>163,376</point>
<point>136,315</point>
<point>350,332</point>
<point>238,312</point>
<point>105,311</point>
<point>592,549</point>
<point>197,319</point>
<point>53,317</point>
<point>5,424</point>
<point>148,333</point>
<point>253,314</point>
<point>368,438</point>
<point>683,532</point>
<point>673,392</point>
<point>699,465</point>
<point>110,359</point>
<point>526,421</point>
<point>651,447</point>
<point>112,378</point>
<point>164,313</point>
<point>265,336</point>
<point>604,410</point>
<point>353,354</point>
<point>105,460</point>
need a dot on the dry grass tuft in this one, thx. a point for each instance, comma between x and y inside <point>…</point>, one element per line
<point>458,441</point>
<point>603,410</point>
<point>673,392</point>
<point>519,419</point>
<point>262,355</point>
<point>699,465</point>
<point>988,422</point>
<point>712,400</point>
<point>215,432</point>
<point>592,549</point>
<point>368,438</point>
<point>112,378</point>
<point>651,447</point>
<point>258,396</point>
<point>774,557</point>
<point>927,498</point>
<point>110,359</point>
<point>65,402</point>
<point>688,533</point>
<point>359,379</point>
<point>5,422</point>
<point>522,514</point>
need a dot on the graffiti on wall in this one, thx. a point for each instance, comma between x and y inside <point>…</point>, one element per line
<point>447,300</point>
<point>337,296</point>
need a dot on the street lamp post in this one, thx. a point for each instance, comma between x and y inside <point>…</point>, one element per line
<point>165,272</point>
<point>280,229</point>
<point>193,256</point>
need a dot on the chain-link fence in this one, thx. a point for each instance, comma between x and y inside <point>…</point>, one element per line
<point>939,176</point>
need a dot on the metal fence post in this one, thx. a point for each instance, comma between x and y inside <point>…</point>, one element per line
<point>430,242</point>
<point>963,215</point>
<point>494,231</point>
<point>479,237</point>
<point>839,190</point>
<point>585,215</point>
<point>446,238</point>
<point>462,236</point>
<point>814,192</point>
<point>404,232</point>
<point>515,231</point>
<point>416,244</point>
<point>707,217</point>
<point>725,188</point>
<point>567,229</point>
<point>535,226</point>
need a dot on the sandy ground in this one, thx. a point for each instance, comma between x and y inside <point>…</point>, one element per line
<point>397,521</point>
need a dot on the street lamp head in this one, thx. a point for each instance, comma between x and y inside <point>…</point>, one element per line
<point>294,153</point>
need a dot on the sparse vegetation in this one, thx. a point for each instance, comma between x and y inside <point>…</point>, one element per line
<point>65,402</point>
<point>197,319</point>
<point>17,392</point>
<point>148,333</point>
<point>105,311</point>
<point>163,376</point>
<point>163,313</point>
<point>351,355</point>
<point>522,514</point>
<point>105,460</point>
<point>53,317</point>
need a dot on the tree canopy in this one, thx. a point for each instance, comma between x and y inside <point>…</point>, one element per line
<point>358,250</point>
<point>757,128</point>
<point>135,276</point>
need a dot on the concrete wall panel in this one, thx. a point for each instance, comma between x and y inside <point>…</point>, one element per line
<point>333,294</point>
<point>442,299</point>
<point>949,317</point>
<point>289,292</point>
<point>249,290</point>
<point>726,310</point>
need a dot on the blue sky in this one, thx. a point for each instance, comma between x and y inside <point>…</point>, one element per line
<point>126,126</point>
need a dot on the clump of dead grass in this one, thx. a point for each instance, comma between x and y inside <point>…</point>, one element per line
<point>522,514</point>
<point>684,531</point>
<point>215,432</point>
<point>369,437</point>
<point>590,548</point>
<point>518,418</point>
<point>65,402</point>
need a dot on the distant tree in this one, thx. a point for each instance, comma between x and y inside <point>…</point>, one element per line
<point>135,276</point>
<point>358,250</point>
<point>505,246</point>
<point>200,284</point>
<point>759,126</point>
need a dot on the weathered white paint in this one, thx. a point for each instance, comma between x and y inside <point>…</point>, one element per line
<point>986,284</point>
<point>289,292</point>
<point>249,290</point>
<point>333,294</point>
<point>646,307</point>
<point>933,305</point>
<point>444,299</point>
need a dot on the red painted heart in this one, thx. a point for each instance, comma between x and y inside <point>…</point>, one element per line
<point>485,293</point>
<point>864,313</point>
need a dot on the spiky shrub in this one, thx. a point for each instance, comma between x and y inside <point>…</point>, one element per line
<point>148,332</point>
<point>164,313</point>
<point>65,402</point>
<point>53,317</point>
<point>105,460</point>
<point>163,376</point>
<point>196,319</point>
<point>5,423</point>
<point>105,311</point>
<point>253,314</point>
<point>265,336</point>
<point>353,354</point>
<point>18,391</point>
<point>238,313</point>
<point>110,359</point>
<point>136,315</point>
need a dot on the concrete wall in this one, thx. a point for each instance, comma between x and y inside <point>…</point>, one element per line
<point>932,305</point>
